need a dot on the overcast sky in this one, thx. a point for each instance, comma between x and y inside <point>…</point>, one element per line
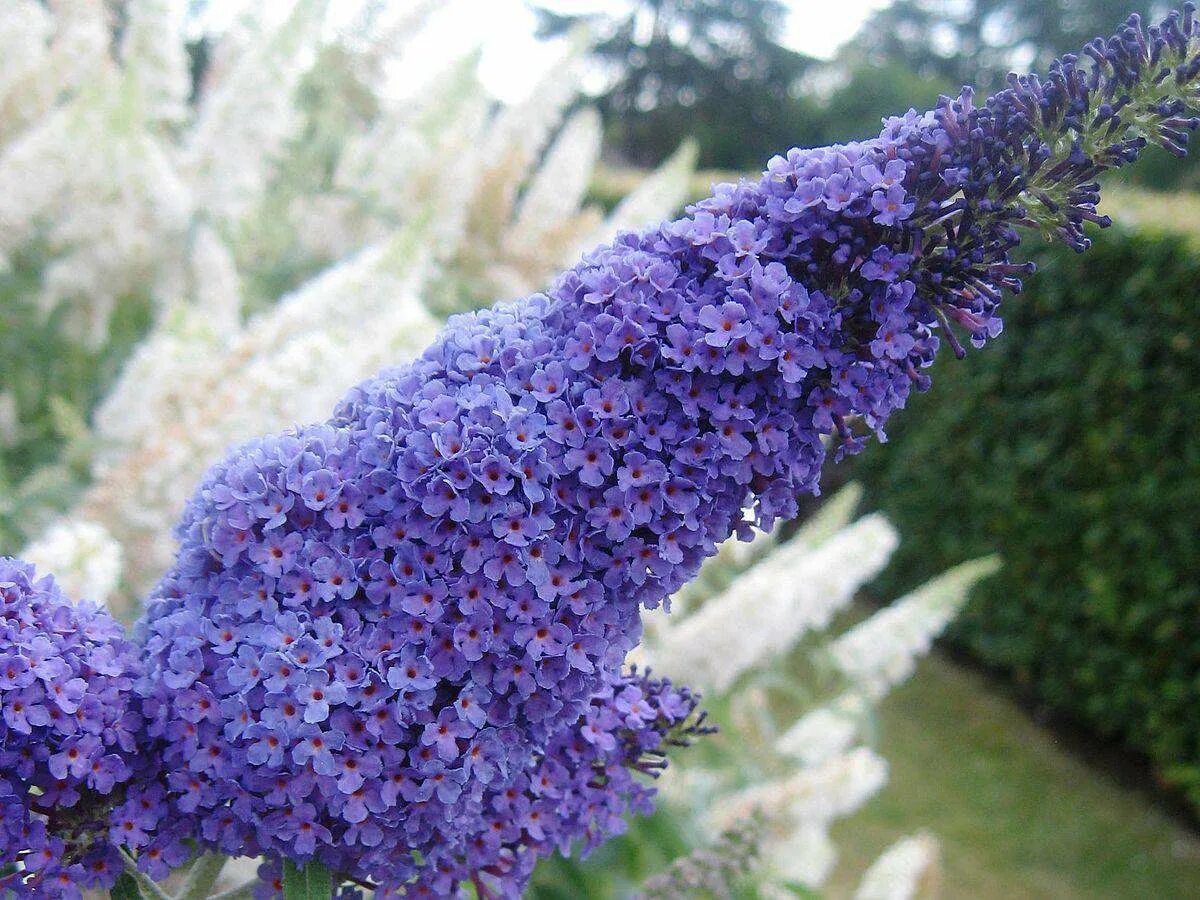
<point>513,59</point>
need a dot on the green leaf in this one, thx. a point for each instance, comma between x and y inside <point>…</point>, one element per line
<point>313,882</point>
<point>800,890</point>
<point>125,888</point>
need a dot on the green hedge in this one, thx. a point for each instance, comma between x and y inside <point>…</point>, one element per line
<point>1072,447</point>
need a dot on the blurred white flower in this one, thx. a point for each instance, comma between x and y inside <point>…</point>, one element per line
<point>768,608</point>
<point>551,203</point>
<point>103,197</point>
<point>249,111</point>
<point>825,731</point>
<point>82,556</point>
<point>155,60</point>
<point>796,811</point>
<point>87,179</point>
<point>79,47</point>
<point>751,604</point>
<point>48,51</point>
<point>417,148</point>
<point>905,870</point>
<point>833,789</point>
<point>25,30</point>
<point>834,514</point>
<point>177,356</point>
<point>806,856</point>
<point>290,365</point>
<point>881,652</point>
<point>665,188</point>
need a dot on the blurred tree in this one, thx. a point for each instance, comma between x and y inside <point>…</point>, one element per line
<point>980,41</point>
<point>708,68</point>
<point>868,91</point>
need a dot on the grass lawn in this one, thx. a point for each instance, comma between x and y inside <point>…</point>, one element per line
<point>1017,814</point>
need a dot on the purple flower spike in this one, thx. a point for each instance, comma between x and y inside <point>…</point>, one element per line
<point>450,570</point>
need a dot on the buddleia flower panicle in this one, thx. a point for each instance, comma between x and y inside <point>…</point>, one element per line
<point>576,797</point>
<point>70,738</point>
<point>382,629</point>
<point>712,871</point>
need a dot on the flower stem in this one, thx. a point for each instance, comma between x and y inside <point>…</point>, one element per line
<point>241,892</point>
<point>148,888</point>
<point>202,876</point>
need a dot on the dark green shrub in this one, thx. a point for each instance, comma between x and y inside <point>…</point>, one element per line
<point>1071,446</point>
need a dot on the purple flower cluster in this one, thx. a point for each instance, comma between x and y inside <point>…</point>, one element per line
<point>376,624</point>
<point>579,792</point>
<point>380,626</point>
<point>69,735</point>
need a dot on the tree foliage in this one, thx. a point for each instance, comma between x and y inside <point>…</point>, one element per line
<point>979,41</point>
<point>715,70</point>
<point>710,68</point>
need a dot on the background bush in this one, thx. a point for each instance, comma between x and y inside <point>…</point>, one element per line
<point>49,382</point>
<point>1072,448</point>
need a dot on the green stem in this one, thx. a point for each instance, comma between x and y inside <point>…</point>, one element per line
<point>1140,120</point>
<point>241,892</point>
<point>202,876</point>
<point>148,888</point>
